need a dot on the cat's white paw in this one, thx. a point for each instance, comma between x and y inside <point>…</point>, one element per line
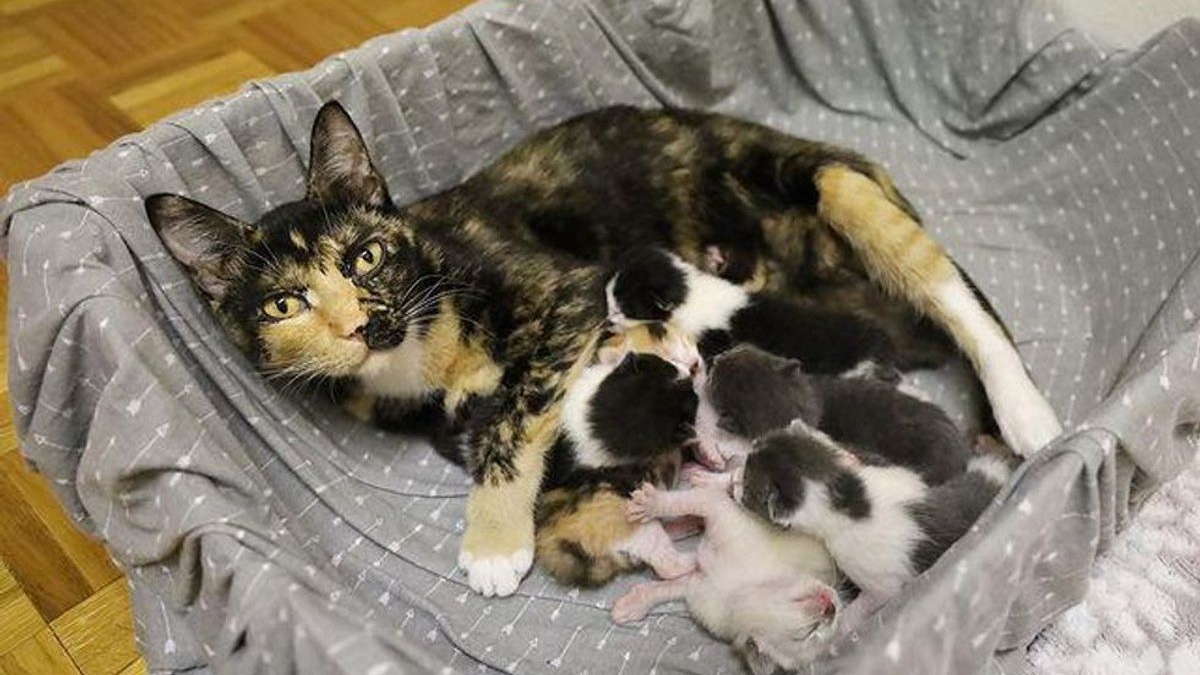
<point>1027,422</point>
<point>496,575</point>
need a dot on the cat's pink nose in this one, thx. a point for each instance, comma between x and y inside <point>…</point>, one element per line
<point>355,329</point>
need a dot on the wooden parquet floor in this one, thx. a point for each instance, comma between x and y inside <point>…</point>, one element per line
<point>75,75</point>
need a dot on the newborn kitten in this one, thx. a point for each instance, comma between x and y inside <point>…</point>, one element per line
<point>767,592</point>
<point>749,393</point>
<point>636,401</point>
<point>652,284</point>
<point>583,538</point>
<point>882,524</point>
<point>624,421</point>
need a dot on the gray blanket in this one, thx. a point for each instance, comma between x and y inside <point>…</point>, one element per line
<point>266,534</point>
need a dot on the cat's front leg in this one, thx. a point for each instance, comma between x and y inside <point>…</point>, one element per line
<point>508,457</point>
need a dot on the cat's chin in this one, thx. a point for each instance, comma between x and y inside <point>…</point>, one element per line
<point>350,359</point>
<point>396,372</point>
<point>360,359</point>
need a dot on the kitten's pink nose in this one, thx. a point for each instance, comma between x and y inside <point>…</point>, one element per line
<point>825,602</point>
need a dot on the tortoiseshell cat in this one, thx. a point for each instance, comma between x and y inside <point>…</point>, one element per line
<point>474,308</point>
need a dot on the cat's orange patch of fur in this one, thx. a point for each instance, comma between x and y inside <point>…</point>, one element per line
<point>458,367</point>
<point>595,526</point>
<point>641,338</point>
<point>899,255</point>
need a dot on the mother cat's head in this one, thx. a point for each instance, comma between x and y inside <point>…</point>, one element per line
<point>315,286</point>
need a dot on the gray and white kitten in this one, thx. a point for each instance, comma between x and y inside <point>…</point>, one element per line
<point>882,524</point>
<point>748,393</point>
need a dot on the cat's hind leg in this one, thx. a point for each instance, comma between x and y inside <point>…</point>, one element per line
<point>902,258</point>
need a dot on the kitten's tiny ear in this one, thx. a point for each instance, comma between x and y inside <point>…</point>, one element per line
<point>340,168</point>
<point>757,660</point>
<point>792,368</point>
<point>207,242</point>
<point>799,426</point>
<point>847,459</point>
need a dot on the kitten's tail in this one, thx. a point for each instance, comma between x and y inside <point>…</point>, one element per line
<point>993,460</point>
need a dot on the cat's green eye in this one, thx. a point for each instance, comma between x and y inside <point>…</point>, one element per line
<point>284,306</point>
<point>368,258</point>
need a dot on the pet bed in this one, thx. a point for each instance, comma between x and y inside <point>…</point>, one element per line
<point>263,533</point>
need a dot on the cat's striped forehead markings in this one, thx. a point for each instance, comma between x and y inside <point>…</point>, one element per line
<point>333,294</point>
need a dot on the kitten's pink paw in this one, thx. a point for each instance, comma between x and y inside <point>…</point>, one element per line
<point>699,477</point>
<point>689,469</point>
<point>709,480</point>
<point>675,566</point>
<point>642,503</point>
<point>708,452</point>
<point>629,608</point>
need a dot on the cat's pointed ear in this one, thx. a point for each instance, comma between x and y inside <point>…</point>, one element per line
<point>210,244</point>
<point>340,168</point>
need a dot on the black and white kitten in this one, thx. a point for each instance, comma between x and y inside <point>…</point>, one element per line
<point>625,420</point>
<point>653,284</point>
<point>636,401</point>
